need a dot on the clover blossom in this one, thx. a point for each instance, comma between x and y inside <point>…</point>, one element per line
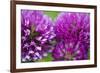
<point>72,31</point>
<point>36,33</point>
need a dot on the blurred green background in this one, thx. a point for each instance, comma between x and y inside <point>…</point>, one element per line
<point>52,14</point>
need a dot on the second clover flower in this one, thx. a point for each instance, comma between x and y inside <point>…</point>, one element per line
<point>72,31</point>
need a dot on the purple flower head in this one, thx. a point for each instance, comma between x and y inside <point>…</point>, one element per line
<point>72,31</point>
<point>36,33</point>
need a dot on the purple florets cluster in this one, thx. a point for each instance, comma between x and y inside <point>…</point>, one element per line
<point>73,36</point>
<point>36,33</point>
<point>68,38</point>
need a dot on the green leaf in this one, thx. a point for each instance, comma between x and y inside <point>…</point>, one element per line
<point>89,54</point>
<point>46,59</point>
